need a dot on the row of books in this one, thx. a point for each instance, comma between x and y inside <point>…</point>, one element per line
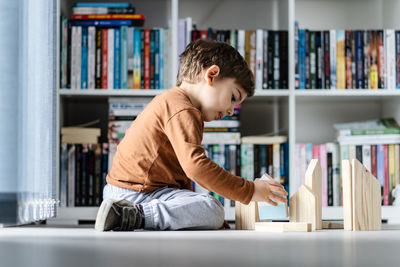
<point>382,160</point>
<point>83,170</point>
<point>114,58</point>
<point>265,51</point>
<point>347,59</point>
<point>328,156</point>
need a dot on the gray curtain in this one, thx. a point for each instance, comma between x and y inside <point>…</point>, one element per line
<point>28,100</point>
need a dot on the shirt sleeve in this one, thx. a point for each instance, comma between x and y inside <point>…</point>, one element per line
<point>185,130</point>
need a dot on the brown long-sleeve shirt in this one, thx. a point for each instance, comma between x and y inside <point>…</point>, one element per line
<point>162,147</point>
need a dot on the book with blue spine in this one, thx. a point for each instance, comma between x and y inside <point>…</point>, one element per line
<point>124,57</point>
<point>359,57</point>
<point>136,59</point>
<point>84,60</point>
<point>102,23</point>
<point>98,4</point>
<point>380,172</point>
<point>152,58</point>
<point>161,75</point>
<point>332,57</point>
<point>302,59</point>
<point>117,58</point>
<point>156,59</point>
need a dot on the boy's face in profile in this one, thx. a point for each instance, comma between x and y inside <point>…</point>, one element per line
<point>219,97</point>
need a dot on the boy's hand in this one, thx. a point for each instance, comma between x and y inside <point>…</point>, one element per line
<point>269,191</point>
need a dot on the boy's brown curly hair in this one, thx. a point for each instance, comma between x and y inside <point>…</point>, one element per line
<point>202,53</point>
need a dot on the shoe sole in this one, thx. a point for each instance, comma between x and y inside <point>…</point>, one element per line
<point>102,214</point>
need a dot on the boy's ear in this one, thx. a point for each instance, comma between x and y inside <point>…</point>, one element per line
<point>211,73</point>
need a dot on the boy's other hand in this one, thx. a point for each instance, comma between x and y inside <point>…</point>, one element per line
<point>271,192</point>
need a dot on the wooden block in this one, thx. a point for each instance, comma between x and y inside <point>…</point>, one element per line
<point>332,225</point>
<point>246,215</point>
<point>283,227</point>
<point>269,212</point>
<point>313,179</point>
<point>366,199</point>
<point>347,196</point>
<point>303,207</point>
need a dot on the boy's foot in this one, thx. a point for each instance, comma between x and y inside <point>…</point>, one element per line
<point>118,215</point>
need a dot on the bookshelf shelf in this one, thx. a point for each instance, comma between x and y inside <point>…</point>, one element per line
<point>305,115</point>
<point>111,92</point>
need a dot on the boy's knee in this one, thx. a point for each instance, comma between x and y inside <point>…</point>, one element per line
<point>217,210</point>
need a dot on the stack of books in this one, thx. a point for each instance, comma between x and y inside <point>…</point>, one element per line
<point>375,143</point>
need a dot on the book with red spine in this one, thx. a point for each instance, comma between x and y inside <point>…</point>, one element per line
<point>138,17</point>
<point>386,168</point>
<point>147,59</point>
<point>373,160</point>
<point>104,65</point>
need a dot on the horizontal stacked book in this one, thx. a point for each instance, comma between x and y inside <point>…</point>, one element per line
<point>265,51</point>
<point>375,143</point>
<point>102,49</point>
<point>347,59</point>
<point>83,168</point>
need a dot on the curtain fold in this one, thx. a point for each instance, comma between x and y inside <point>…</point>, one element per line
<point>31,96</point>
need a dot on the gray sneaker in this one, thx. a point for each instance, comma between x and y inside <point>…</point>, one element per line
<point>118,215</point>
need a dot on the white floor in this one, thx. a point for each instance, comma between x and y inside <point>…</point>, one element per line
<point>60,246</point>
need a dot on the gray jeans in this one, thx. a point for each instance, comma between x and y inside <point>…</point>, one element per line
<point>172,209</point>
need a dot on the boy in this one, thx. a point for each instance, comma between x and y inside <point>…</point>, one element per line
<point>149,184</point>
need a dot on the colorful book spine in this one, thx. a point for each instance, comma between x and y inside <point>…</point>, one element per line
<point>324,167</point>
<point>136,59</point>
<point>110,58</point>
<point>397,40</point>
<point>340,60</point>
<point>98,59</point>
<point>156,59</point>
<point>101,23</point>
<point>333,57</point>
<point>390,59</point>
<point>91,56</point>
<point>386,172</point>
<point>381,59</point>
<point>117,58</point>
<point>146,59</point>
<point>124,57</point>
<point>84,59</point>
<point>302,59</point>
<point>104,65</point>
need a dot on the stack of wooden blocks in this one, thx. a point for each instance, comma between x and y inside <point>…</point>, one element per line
<point>361,204</point>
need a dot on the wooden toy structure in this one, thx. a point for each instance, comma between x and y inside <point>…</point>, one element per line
<point>361,204</point>
<point>361,198</point>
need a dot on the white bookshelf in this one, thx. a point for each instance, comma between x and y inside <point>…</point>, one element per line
<point>304,115</point>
